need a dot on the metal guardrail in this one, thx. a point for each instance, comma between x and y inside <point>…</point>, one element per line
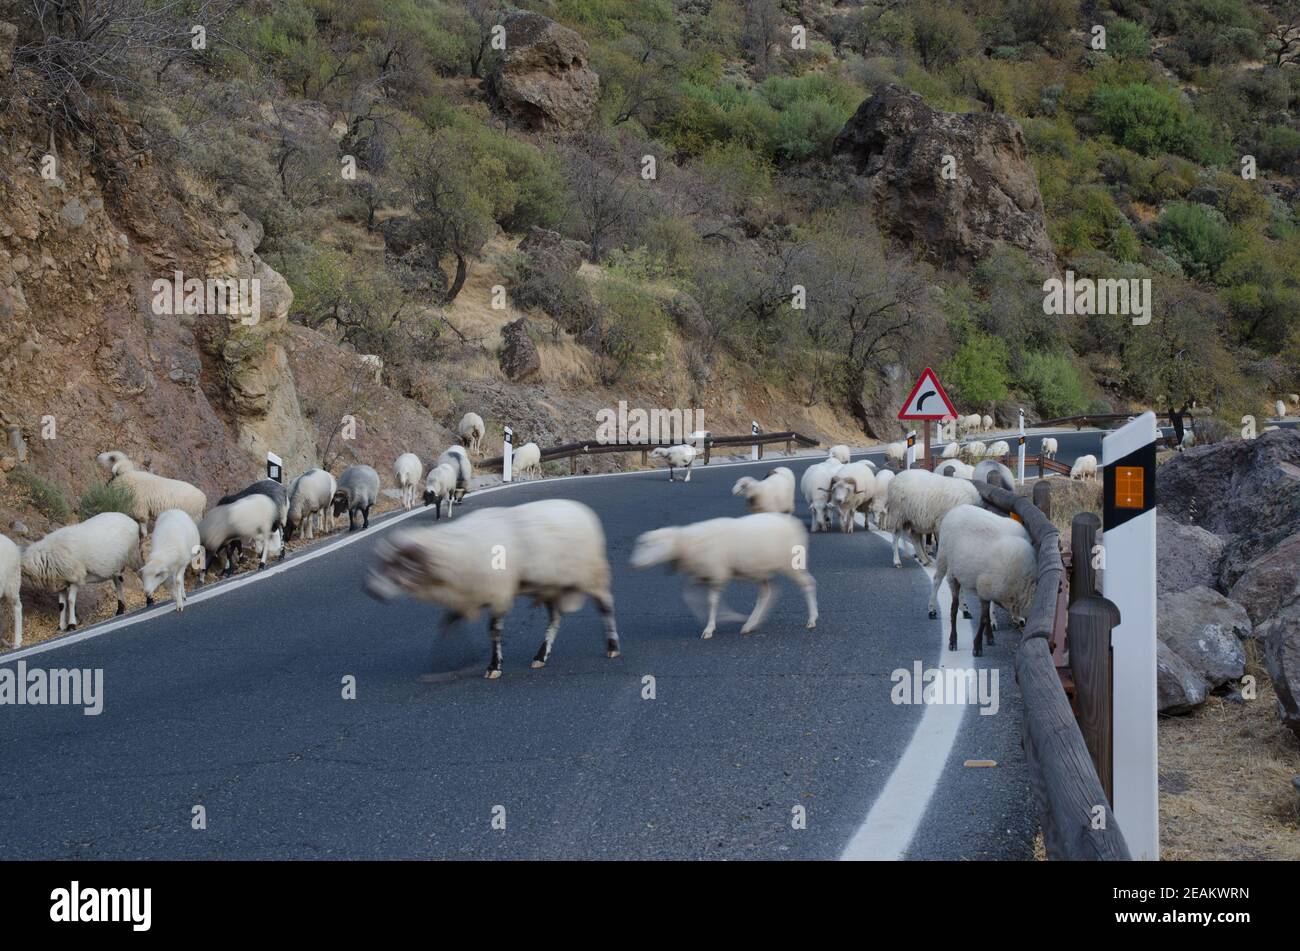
<point>1066,787</point>
<point>1093,418</point>
<point>573,450</point>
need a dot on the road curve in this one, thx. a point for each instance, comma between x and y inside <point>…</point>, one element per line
<point>237,706</point>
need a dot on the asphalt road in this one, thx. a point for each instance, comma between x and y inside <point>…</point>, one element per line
<point>237,706</point>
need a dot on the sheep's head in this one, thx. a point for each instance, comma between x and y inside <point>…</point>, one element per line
<point>340,502</point>
<point>654,548</point>
<point>410,563</point>
<point>742,485</point>
<point>114,462</point>
<point>152,575</point>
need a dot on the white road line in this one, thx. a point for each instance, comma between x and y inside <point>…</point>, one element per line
<point>894,817</point>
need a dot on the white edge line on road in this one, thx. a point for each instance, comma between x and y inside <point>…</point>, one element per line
<point>380,523</point>
<point>896,814</point>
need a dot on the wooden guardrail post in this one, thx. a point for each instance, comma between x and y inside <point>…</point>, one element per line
<point>1091,618</point>
<point>1083,536</point>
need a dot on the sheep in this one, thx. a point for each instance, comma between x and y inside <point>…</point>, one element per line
<point>1085,467</point>
<point>102,548</point>
<point>309,503</point>
<point>951,451</point>
<point>974,450</point>
<point>1294,398</point>
<point>880,496</point>
<point>772,493</point>
<point>677,457</point>
<point>1048,448</point>
<point>408,471</point>
<point>970,423</point>
<point>224,529</point>
<point>998,449</point>
<point>986,423</point>
<point>896,452</point>
<point>372,361</point>
<point>152,494</point>
<point>750,548</point>
<point>918,500</point>
<point>527,459</point>
<point>277,493</point>
<point>553,550</point>
<point>11,577</point>
<point>851,489</point>
<point>815,484</point>
<point>357,491</point>
<point>955,468</point>
<point>992,556</point>
<point>1279,409</point>
<point>841,454</point>
<point>471,431</point>
<point>440,484</point>
<point>173,546</point>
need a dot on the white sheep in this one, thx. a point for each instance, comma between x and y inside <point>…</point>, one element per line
<point>152,494</point>
<point>458,459</point>
<point>951,451</point>
<point>917,502</point>
<point>174,545</point>
<point>852,489</point>
<point>815,484</point>
<point>553,551</point>
<point>1294,398</point>
<point>1279,409</point>
<point>228,526</point>
<point>772,493</point>
<point>440,484</point>
<point>974,450</point>
<point>11,579</point>
<point>956,468</point>
<point>989,555</point>
<point>471,431</point>
<point>841,454</point>
<point>357,491</point>
<point>99,549</point>
<point>310,498</point>
<point>527,460</point>
<point>986,423</point>
<point>970,423</point>
<point>750,548</point>
<point>277,493</point>
<point>896,452</point>
<point>408,470</point>
<point>677,457</point>
<point>998,449</point>
<point>1085,467</point>
<point>375,363</point>
<point>1049,447</point>
<point>880,497</point>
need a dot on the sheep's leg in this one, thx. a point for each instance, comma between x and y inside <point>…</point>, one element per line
<point>119,583</point>
<point>544,652</point>
<point>688,471</point>
<point>72,607</point>
<point>979,632</point>
<point>437,510</point>
<point>670,473</point>
<point>494,631</point>
<point>809,587</point>
<point>918,547</point>
<point>715,592</point>
<point>63,611</point>
<point>605,602</point>
<point>760,607</point>
<point>265,541</point>
<point>956,596</point>
<point>352,521</point>
<point>940,570</point>
<point>17,603</point>
<point>366,515</point>
<point>897,538</point>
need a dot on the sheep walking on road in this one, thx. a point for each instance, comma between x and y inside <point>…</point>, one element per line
<point>223,531</point>
<point>440,485</point>
<point>310,496</point>
<point>918,501</point>
<point>174,545</point>
<point>772,493</point>
<point>99,549</point>
<point>358,491</point>
<point>852,489</point>
<point>471,431</point>
<point>458,459</point>
<point>815,484</point>
<point>1049,447</point>
<point>152,494</point>
<point>527,461</point>
<point>11,579</point>
<point>552,550</point>
<point>677,457</point>
<point>751,548</point>
<point>408,470</point>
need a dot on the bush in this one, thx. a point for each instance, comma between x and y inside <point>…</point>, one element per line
<point>1126,40</point>
<point>1197,236</point>
<point>1053,382</point>
<point>1150,120</point>
<point>106,497</point>
<point>46,497</point>
<point>977,372</point>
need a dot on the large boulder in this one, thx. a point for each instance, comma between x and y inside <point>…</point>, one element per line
<point>904,145</point>
<point>1270,581</point>
<point>542,80</point>
<point>518,355</point>
<point>550,251</point>
<point>1186,555</point>
<point>1205,629</point>
<point>1179,689</point>
<point>1247,491</point>
<point>1280,638</point>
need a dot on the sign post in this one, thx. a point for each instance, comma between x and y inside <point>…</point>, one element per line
<point>1021,444</point>
<point>1128,579</point>
<point>927,402</point>
<point>274,467</point>
<point>507,451</point>
<point>753,431</point>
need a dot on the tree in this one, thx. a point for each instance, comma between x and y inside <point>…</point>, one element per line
<point>604,189</point>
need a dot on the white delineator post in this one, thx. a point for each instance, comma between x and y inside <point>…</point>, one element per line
<point>1128,578</point>
<point>911,449</point>
<point>274,467</point>
<point>753,431</point>
<point>1022,447</point>
<point>507,451</point>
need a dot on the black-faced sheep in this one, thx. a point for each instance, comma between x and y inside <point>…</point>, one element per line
<point>358,491</point>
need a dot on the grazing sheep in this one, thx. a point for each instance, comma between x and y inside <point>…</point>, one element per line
<point>918,500</point>
<point>357,491</point>
<point>896,452</point>
<point>471,431</point>
<point>772,493</point>
<point>553,550</point>
<point>375,363</point>
<point>986,423</point>
<point>852,489</point>
<point>408,471</point>
<point>956,468</point>
<point>152,494</point>
<point>173,546</point>
<point>99,549</point>
<point>951,451</point>
<point>841,454</point>
<point>11,578</point>
<point>1294,398</point>
<point>1085,467</point>
<point>990,555</point>
<point>1279,409</point>
<point>1049,447</point>
<point>309,504</point>
<point>677,457</point>
<point>970,423</point>
<point>751,548</point>
<point>815,484</point>
<point>458,459</point>
<point>527,460</point>
<point>224,529</point>
<point>880,497</point>
<point>981,473</point>
<point>277,493</point>
<point>441,484</point>
<point>973,451</point>
<point>998,449</point>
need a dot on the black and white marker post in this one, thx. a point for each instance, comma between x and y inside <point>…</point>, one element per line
<point>1021,444</point>
<point>911,449</point>
<point>274,467</point>
<point>507,451</point>
<point>753,431</point>
<point>1128,578</point>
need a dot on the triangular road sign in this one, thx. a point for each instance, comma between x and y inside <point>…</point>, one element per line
<point>927,400</point>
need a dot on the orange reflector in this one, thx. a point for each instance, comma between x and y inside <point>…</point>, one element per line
<point>1130,483</point>
<point>1015,517</point>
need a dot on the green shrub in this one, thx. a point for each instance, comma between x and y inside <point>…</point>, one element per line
<point>1197,236</point>
<point>1151,120</point>
<point>977,372</point>
<point>106,497</point>
<point>45,496</point>
<point>1052,380</point>
<point>1126,40</point>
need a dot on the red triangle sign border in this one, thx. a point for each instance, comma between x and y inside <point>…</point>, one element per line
<point>949,409</point>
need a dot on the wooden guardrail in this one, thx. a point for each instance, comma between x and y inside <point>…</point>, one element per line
<point>1075,813</point>
<point>591,447</point>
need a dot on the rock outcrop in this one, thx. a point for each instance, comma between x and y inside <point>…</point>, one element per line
<point>1270,581</point>
<point>542,80</point>
<point>1179,689</point>
<point>1205,629</point>
<point>518,356</point>
<point>1280,638</point>
<point>550,251</point>
<point>954,184</point>
<point>1186,555</point>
